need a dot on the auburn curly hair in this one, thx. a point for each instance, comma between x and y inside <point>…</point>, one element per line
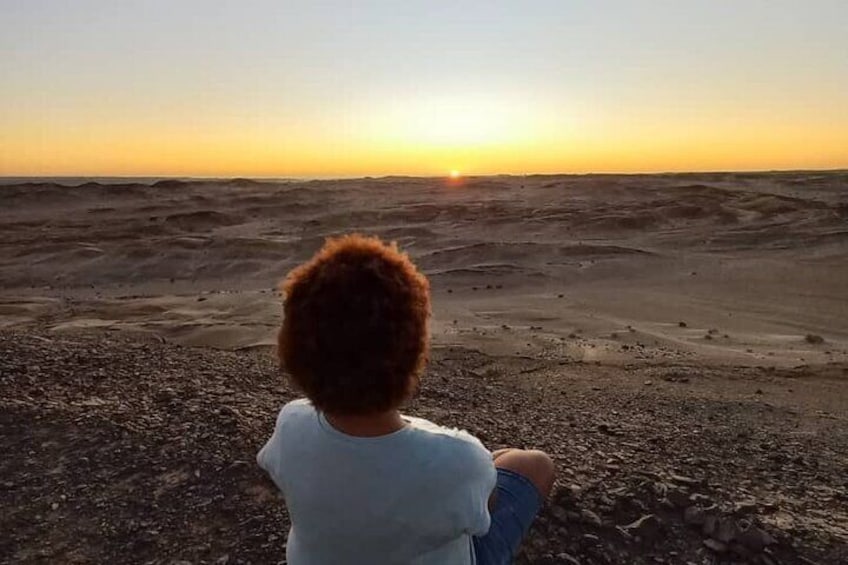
<point>355,335</point>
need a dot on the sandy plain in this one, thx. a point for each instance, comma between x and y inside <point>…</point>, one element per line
<point>648,330</point>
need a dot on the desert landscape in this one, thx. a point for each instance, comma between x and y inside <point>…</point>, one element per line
<point>678,343</point>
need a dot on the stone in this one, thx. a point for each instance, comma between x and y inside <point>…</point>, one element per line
<point>740,550</point>
<point>647,528</point>
<point>694,516</point>
<point>710,525</point>
<point>590,539</point>
<point>624,533</point>
<point>698,498</point>
<point>715,545</point>
<point>726,530</point>
<point>684,480</point>
<point>559,514</point>
<point>754,538</point>
<point>678,498</point>
<point>590,518</point>
<point>745,507</point>
<point>567,558</point>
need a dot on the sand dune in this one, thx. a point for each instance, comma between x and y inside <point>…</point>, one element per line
<point>759,258</point>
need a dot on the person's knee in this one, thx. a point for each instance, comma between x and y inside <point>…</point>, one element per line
<point>536,465</point>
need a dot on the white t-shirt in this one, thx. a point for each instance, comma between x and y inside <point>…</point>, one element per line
<point>415,496</point>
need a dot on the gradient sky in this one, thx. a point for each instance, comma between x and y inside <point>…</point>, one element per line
<point>331,88</point>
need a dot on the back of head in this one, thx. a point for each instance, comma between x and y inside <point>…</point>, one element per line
<point>355,334</point>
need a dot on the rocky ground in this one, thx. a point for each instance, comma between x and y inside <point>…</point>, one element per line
<point>122,449</point>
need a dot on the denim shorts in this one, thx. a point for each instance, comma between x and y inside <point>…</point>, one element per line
<point>516,504</point>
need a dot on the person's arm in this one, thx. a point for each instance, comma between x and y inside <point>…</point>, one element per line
<point>493,498</point>
<point>480,490</point>
<point>269,456</point>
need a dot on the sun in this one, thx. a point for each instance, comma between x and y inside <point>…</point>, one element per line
<point>455,174</point>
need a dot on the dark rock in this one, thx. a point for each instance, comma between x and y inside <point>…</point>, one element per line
<point>590,539</point>
<point>740,550</point>
<point>694,516</point>
<point>754,538</point>
<point>678,498</point>
<point>567,558</point>
<point>698,498</point>
<point>726,530</point>
<point>647,528</point>
<point>715,545</point>
<point>590,518</point>
<point>560,514</point>
<point>683,480</point>
<point>745,507</point>
<point>710,525</point>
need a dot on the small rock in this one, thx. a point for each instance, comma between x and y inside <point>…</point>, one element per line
<point>740,550</point>
<point>745,507</point>
<point>590,518</point>
<point>710,525</point>
<point>559,514</point>
<point>590,539</point>
<point>698,498</point>
<point>648,527</point>
<point>754,538</point>
<point>683,480</point>
<point>726,530</point>
<point>694,516</point>
<point>649,383</point>
<point>678,498</point>
<point>715,545</point>
<point>567,558</point>
<point>766,560</point>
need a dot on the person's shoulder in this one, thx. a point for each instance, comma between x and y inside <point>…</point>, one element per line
<point>455,445</point>
<point>294,410</point>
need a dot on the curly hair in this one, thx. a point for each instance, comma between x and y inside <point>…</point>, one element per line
<point>355,336</point>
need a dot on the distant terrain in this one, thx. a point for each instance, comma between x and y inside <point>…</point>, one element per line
<point>678,342</point>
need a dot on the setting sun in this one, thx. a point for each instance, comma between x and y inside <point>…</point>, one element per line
<point>454,174</point>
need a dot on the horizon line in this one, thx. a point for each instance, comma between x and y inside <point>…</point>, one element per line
<point>308,178</point>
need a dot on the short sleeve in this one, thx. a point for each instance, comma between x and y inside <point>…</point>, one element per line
<point>478,489</point>
<point>270,455</point>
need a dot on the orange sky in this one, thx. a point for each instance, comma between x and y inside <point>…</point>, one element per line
<point>264,89</point>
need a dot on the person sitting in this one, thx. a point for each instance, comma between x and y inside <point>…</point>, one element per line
<point>363,483</point>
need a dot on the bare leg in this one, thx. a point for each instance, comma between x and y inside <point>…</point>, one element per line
<point>536,465</point>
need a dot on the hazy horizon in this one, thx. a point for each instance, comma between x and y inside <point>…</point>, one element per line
<point>330,90</point>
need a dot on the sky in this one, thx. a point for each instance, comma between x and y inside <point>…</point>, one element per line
<point>276,88</point>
